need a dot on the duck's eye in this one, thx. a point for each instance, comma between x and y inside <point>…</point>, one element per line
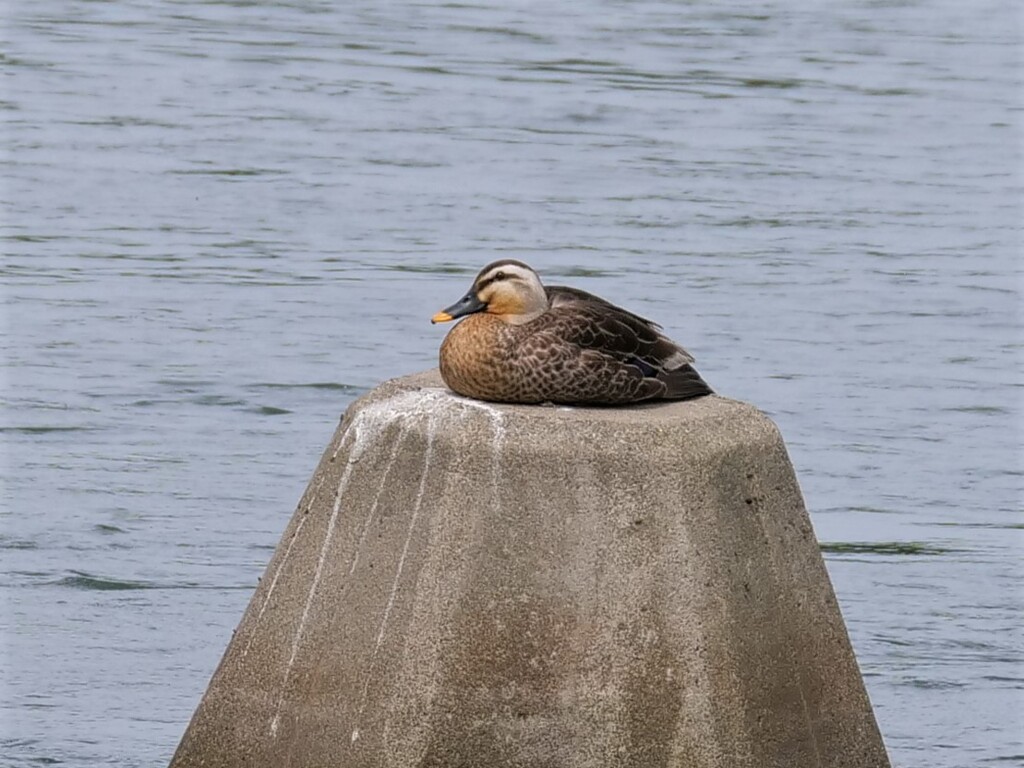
<point>500,276</point>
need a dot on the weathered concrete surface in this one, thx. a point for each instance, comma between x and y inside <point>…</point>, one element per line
<point>467,585</point>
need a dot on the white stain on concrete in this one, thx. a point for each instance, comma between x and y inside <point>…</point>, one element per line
<point>354,455</point>
<point>368,423</point>
<point>427,456</point>
<point>280,566</point>
<point>376,502</point>
<point>273,585</point>
<point>435,405</point>
<point>413,518</point>
<point>498,435</point>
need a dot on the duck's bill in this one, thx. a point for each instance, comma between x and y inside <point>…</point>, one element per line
<point>467,305</point>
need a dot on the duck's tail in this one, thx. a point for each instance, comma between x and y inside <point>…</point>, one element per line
<point>684,383</point>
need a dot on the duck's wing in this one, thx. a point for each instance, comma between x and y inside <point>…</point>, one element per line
<point>625,339</point>
<point>595,323</point>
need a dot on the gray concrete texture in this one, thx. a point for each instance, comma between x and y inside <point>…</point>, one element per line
<point>470,585</point>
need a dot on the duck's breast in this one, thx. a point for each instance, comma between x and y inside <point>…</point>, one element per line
<point>476,355</point>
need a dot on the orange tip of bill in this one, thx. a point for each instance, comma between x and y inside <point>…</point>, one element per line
<point>441,317</point>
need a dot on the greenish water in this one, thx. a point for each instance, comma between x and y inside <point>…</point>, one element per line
<point>224,221</point>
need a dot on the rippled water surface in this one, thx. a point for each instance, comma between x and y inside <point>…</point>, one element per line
<point>224,220</point>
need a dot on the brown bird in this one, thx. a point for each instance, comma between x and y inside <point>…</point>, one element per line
<point>522,342</point>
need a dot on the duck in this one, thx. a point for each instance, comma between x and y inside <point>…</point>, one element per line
<point>520,341</point>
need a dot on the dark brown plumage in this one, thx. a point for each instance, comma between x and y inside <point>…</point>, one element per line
<point>522,342</point>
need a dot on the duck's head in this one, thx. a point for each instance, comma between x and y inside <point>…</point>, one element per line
<point>508,289</point>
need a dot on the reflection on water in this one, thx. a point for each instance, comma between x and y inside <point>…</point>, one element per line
<point>226,220</point>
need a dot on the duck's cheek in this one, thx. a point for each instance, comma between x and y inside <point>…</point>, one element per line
<point>505,305</point>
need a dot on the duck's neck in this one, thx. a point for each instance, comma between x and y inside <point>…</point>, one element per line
<point>520,308</point>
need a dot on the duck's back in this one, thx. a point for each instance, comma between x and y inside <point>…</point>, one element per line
<point>564,295</point>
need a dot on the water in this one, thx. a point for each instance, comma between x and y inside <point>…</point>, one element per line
<point>223,221</point>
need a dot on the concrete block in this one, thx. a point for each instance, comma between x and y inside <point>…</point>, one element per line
<point>470,585</point>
